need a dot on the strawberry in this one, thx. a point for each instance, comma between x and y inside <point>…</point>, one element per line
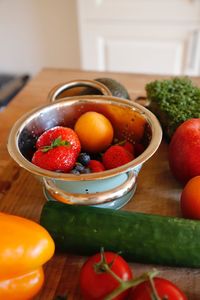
<point>59,156</point>
<point>95,166</point>
<point>116,156</point>
<point>129,147</point>
<point>66,134</point>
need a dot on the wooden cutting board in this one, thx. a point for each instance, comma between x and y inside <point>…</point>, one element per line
<point>21,193</point>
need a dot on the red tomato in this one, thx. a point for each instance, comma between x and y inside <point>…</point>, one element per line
<point>97,285</point>
<point>190,199</point>
<point>164,288</point>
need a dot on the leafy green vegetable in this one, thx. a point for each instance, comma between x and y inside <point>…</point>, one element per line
<point>173,101</point>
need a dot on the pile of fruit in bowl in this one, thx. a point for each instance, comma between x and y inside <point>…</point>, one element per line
<point>90,146</point>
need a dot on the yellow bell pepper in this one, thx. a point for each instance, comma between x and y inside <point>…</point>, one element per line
<point>24,247</point>
<point>23,287</point>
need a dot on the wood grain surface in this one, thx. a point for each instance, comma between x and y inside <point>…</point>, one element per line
<point>21,193</point>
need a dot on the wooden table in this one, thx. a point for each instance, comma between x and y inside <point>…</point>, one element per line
<point>21,194</point>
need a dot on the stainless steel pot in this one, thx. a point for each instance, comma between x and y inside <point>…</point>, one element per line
<point>111,188</point>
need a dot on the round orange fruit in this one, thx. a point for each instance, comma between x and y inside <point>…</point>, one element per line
<point>95,131</point>
<point>190,199</point>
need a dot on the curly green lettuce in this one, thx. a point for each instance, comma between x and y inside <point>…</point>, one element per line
<point>173,101</point>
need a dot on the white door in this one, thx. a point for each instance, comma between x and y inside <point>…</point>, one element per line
<point>140,36</point>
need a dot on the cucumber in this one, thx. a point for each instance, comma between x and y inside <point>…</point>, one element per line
<point>138,237</point>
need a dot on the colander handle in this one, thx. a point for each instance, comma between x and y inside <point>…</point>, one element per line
<point>57,90</point>
<point>91,198</point>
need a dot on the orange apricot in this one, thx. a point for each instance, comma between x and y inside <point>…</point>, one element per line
<point>95,132</point>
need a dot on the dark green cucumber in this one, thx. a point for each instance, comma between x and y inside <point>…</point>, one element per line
<point>139,237</point>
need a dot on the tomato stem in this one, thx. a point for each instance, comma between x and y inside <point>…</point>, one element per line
<point>125,285</point>
<point>155,293</point>
<point>108,270</point>
<point>104,266</point>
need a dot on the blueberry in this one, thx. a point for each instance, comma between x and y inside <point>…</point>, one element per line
<point>74,171</point>
<point>84,158</point>
<point>79,167</point>
<point>86,171</point>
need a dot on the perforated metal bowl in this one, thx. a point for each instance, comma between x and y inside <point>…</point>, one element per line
<point>111,188</point>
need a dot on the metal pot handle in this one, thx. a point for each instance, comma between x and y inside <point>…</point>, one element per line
<point>57,90</point>
<point>91,198</point>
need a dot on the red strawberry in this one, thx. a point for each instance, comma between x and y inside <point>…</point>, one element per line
<point>95,166</point>
<point>116,156</point>
<point>65,133</point>
<point>129,147</point>
<point>60,156</point>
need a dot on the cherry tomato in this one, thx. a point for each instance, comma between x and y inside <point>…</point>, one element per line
<point>165,289</point>
<point>97,285</point>
<point>190,199</point>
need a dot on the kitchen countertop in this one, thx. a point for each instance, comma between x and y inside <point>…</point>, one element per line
<point>21,193</point>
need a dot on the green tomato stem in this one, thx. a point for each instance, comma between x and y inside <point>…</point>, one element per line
<point>103,266</point>
<point>125,285</point>
<point>108,270</point>
<point>155,293</point>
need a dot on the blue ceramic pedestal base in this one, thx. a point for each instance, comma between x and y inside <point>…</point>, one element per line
<point>116,204</point>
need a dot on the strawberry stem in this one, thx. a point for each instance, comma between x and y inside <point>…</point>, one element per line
<point>57,142</point>
<point>121,143</point>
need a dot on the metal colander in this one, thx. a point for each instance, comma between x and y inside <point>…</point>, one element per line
<point>111,188</point>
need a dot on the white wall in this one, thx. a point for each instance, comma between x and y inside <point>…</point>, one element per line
<point>38,33</point>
